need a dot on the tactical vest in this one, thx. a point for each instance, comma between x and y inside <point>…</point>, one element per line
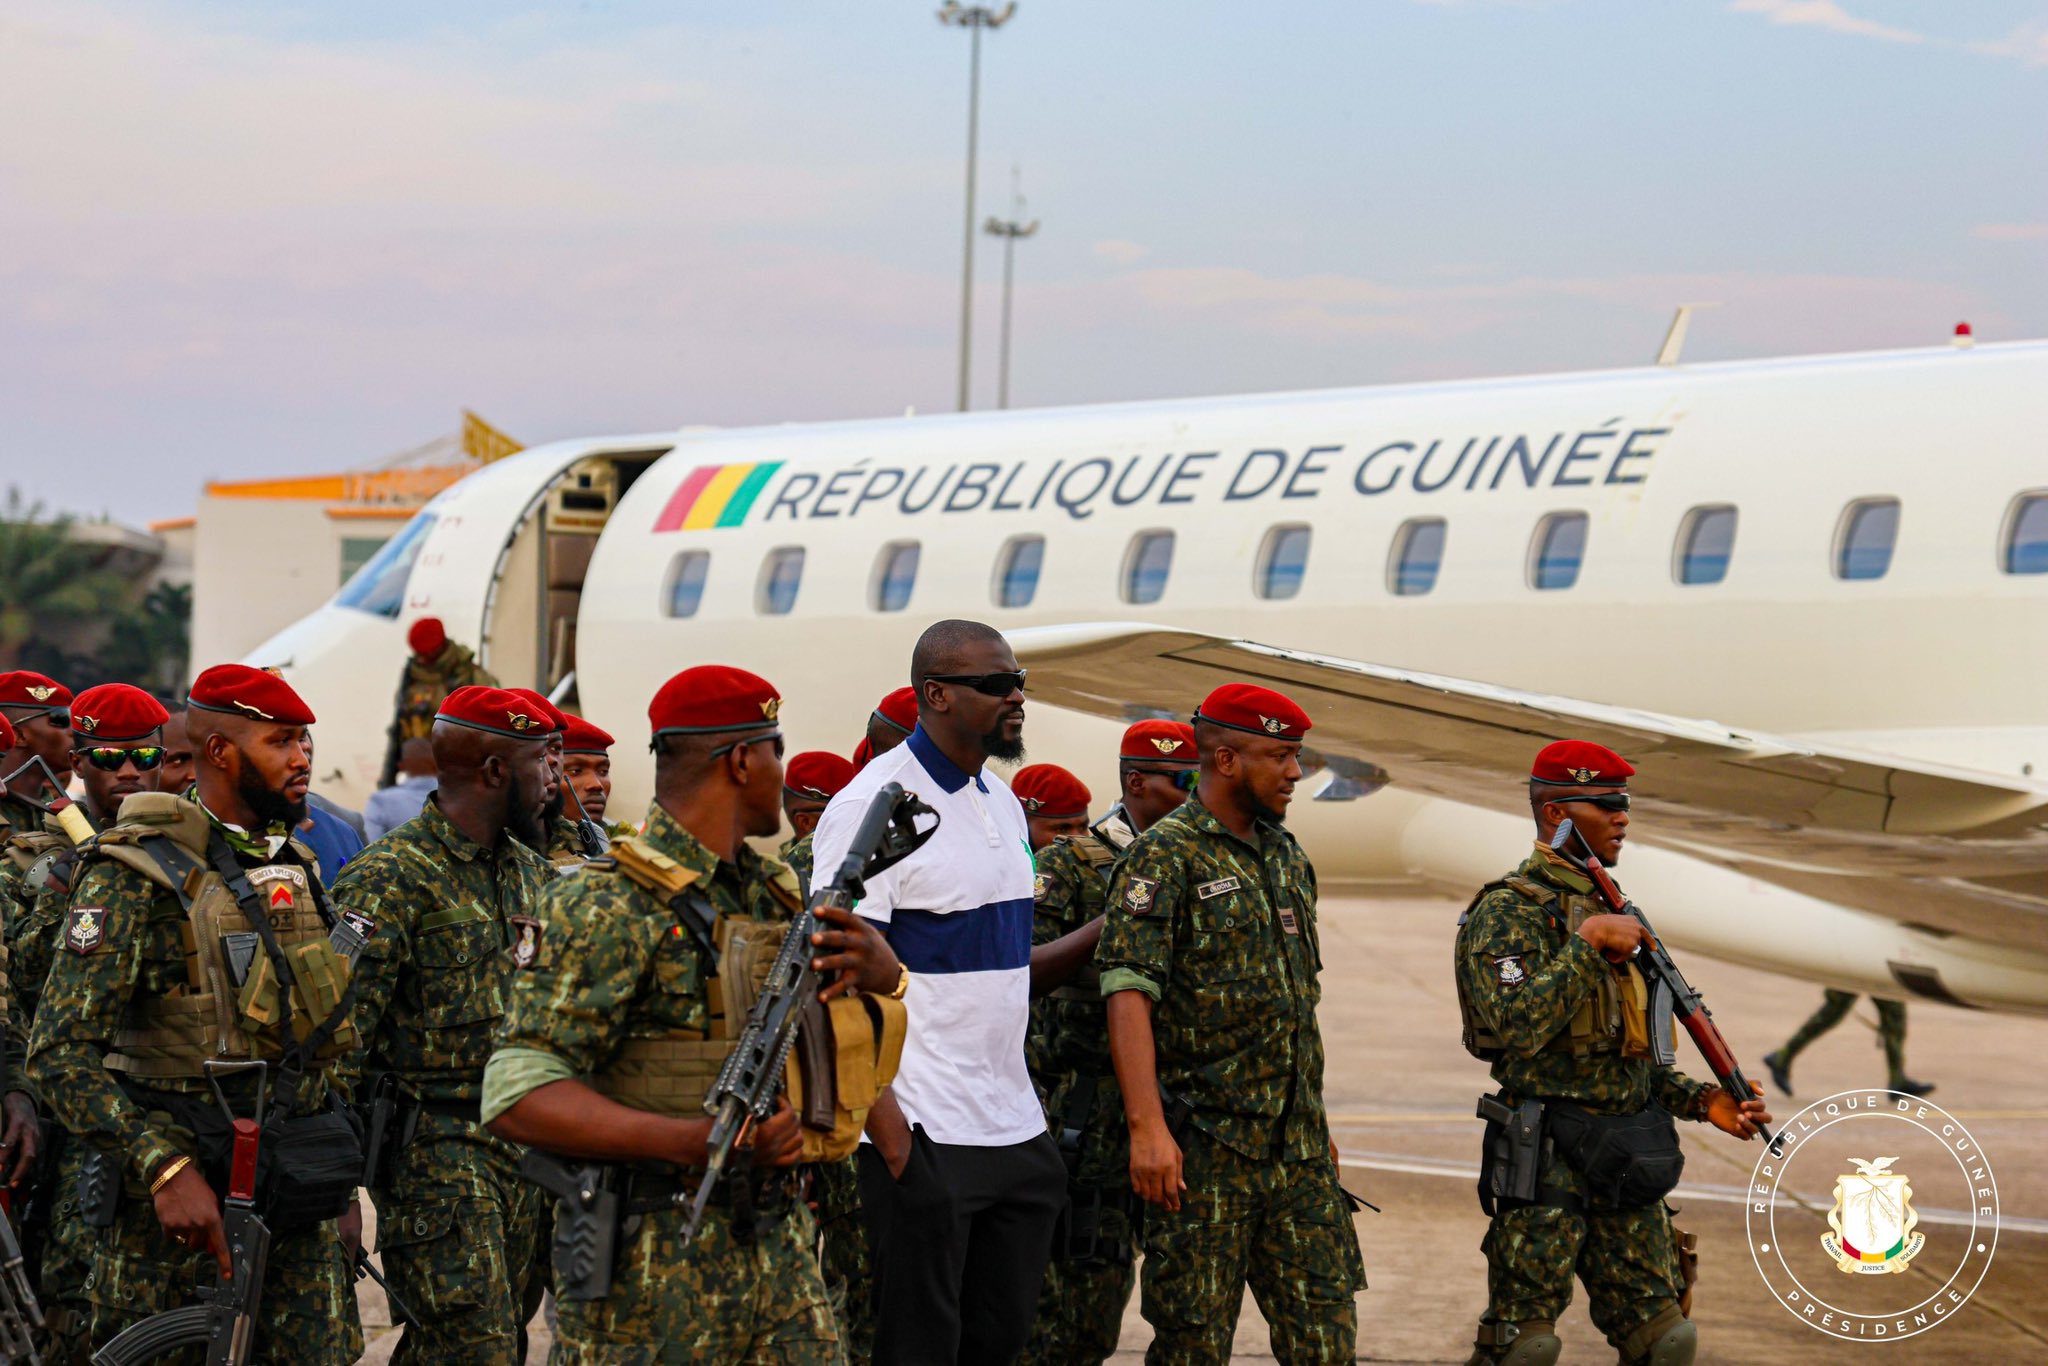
<point>230,1005</point>
<point>671,1074</point>
<point>1086,985</point>
<point>1614,1019</point>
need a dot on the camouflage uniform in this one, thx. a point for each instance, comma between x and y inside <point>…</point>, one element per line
<point>1527,976</point>
<point>459,1230</point>
<point>422,688</point>
<point>1221,934</point>
<point>615,969</point>
<point>564,848</point>
<point>1081,1307</point>
<point>116,966</point>
<point>1834,1007</point>
<point>796,855</point>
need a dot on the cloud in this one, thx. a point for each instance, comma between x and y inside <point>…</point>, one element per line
<point>2011,232</point>
<point>2027,43</point>
<point>1119,252</point>
<point>1824,14</point>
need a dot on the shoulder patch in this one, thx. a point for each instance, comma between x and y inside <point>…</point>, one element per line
<point>85,929</point>
<point>1038,886</point>
<point>1508,970</point>
<point>1139,893</point>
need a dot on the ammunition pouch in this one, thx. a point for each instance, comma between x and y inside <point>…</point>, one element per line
<point>314,1163</point>
<point>1624,1161</point>
<point>99,1190</point>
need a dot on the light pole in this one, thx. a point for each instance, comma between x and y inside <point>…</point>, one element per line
<point>1009,230</point>
<point>973,18</point>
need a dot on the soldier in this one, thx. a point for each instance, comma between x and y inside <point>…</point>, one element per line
<point>153,983</point>
<point>587,777</point>
<point>810,781</point>
<point>603,1054</point>
<point>1209,961</point>
<point>40,709</point>
<point>889,725</point>
<point>1891,1035</point>
<point>174,775</point>
<point>1055,803</point>
<point>454,894</point>
<point>1551,1001</point>
<point>566,843</point>
<point>1089,1280</point>
<point>436,667</point>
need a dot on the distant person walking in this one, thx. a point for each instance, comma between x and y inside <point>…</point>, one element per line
<point>438,666</point>
<point>391,807</point>
<point>1891,1034</point>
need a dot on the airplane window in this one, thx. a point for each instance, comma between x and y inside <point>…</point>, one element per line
<point>1870,528</point>
<point>379,586</point>
<point>1146,566</point>
<point>1017,571</point>
<point>1557,549</point>
<point>1283,561</point>
<point>686,582</point>
<point>1706,541</point>
<point>2026,535</point>
<point>895,576</point>
<point>782,573</point>
<point>1418,553</point>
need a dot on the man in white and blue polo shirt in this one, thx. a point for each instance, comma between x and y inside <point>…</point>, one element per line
<point>961,1182</point>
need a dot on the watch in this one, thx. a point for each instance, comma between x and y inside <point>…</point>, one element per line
<point>902,985</point>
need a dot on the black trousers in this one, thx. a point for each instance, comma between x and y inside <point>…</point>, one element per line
<point>960,1245</point>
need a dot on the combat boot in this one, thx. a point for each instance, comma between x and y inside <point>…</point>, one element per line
<point>1906,1086</point>
<point>1534,1343</point>
<point>1667,1340</point>
<point>1780,1068</point>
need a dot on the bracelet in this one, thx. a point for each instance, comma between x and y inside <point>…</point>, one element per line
<point>163,1177</point>
<point>902,985</point>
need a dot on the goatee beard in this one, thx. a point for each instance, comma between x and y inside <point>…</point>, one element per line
<point>1004,750</point>
<point>523,825</point>
<point>270,806</point>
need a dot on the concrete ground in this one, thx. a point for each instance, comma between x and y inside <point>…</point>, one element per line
<point>1401,1092</point>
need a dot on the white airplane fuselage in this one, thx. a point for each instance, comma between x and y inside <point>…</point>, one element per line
<point>1940,657</point>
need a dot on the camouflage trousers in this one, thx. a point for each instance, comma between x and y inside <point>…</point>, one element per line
<point>1282,1228</point>
<point>1834,1006</point>
<point>67,1252</point>
<point>1080,1313</point>
<point>308,1315</point>
<point>713,1301</point>
<point>843,1255</point>
<point>462,1239</point>
<point>1628,1262</point>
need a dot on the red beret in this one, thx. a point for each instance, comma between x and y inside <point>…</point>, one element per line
<point>581,737</point>
<point>427,637</point>
<point>116,712</point>
<point>899,709</point>
<point>1159,742</point>
<point>6,732</point>
<point>25,688</point>
<point>1049,790</point>
<point>238,690</point>
<point>816,775</point>
<point>1580,763</point>
<point>558,720</point>
<point>712,698</point>
<point>863,754</point>
<point>1255,710</point>
<point>518,713</point>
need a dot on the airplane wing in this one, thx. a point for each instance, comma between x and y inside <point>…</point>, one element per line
<point>1839,823</point>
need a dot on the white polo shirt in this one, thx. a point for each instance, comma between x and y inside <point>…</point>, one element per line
<point>958,913</point>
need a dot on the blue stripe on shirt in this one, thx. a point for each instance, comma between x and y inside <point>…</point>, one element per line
<point>989,938</point>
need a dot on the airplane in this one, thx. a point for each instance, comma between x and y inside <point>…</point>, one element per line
<point>1843,559</point>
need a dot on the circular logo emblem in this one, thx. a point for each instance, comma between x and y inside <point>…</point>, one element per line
<point>1875,1219</point>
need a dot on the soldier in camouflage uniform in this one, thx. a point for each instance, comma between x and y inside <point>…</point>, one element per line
<point>1562,1020</point>
<point>1834,1007</point>
<point>1209,961</point>
<point>809,782</point>
<point>128,1017</point>
<point>454,895</point>
<point>587,777</point>
<point>112,724</point>
<point>436,667</point>
<point>37,709</point>
<point>1093,1267</point>
<point>619,1023</point>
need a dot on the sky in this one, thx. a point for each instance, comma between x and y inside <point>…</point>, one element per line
<point>248,240</point>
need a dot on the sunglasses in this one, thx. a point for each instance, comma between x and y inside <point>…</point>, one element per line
<point>1182,778</point>
<point>60,717</point>
<point>1607,801</point>
<point>724,750</point>
<point>988,685</point>
<point>108,759</point>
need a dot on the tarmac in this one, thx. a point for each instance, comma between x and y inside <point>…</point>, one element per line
<point>1401,1092</point>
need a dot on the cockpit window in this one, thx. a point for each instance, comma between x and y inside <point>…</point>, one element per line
<point>379,586</point>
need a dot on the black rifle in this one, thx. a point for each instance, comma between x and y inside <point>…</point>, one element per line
<point>751,1080</point>
<point>364,1268</point>
<point>1670,993</point>
<point>224,1319</point>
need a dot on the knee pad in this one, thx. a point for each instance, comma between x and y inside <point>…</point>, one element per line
<point>1670,1339</point>
<point>1534,1343</point>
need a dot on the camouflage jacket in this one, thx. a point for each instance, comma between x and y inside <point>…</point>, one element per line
<point>1222,935</point>
<point>796,855</point>
<point>35,915</point>
<point>1069,1040</point>
<point>565,849</point>
<point>431,985</point>
<point>1526,975</point>
<point>422,687</point>
<point>613,964</point>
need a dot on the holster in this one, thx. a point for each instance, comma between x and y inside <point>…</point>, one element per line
<point>1079,1235</point>
<point>1516,1150</point>
<point>99,1190</point>
<point>379,1128</point>
<point>1179,1114</point>
<point>588,1221</point>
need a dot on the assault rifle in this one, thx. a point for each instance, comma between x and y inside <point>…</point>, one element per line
<point>224,1318</point>
<point>1670,993</point>
<point>21,1318</point>
<point>751,1080</point>
<point>69,818</point>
